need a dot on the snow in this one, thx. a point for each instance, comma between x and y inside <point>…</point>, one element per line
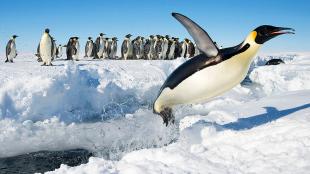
<point>105,107</point>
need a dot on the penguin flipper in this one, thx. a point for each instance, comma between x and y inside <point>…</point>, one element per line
<point>201,37</point>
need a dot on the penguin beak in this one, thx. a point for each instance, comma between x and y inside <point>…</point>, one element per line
<point>282,30</point>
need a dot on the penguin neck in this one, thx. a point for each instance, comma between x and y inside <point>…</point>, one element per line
<point>254,47</point>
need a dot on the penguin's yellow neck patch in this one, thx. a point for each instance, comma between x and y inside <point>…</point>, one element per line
<point>252,36</point>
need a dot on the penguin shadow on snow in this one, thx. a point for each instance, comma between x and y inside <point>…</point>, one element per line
<point>271,114</point>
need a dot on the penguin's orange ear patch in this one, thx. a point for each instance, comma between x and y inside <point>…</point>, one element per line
<point>253,35</point>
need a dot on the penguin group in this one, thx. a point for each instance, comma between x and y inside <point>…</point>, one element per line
<point>157,47</point>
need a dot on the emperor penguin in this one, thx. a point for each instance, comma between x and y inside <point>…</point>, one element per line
<point>184,48</point>
<point>76,45</point>
<point>149,47</point>
<point>138,48</point>
<point>59,51</point>
<point>172,45</point>
<point>190,49</point>
<point>157,46</point>
<point>100,46</point>
<point>113,48</point>
<point>54,49</point>
<point>106,50</point>
<point>89,47</point>
<point>70,49</point>
<point>142,47</point>
<point>127,47</point>
<point>213,72</point>
<point>11,51</point>
<point>178,48</point>
<point>46,48</point>
<point>164,47</point>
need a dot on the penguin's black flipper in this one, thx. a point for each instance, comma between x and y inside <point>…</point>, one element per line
<point>201,37</point>
<point>167,116</point>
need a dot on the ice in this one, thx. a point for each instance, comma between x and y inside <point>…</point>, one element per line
<point>106,107</point>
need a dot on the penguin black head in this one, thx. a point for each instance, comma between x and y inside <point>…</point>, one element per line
<point>47,30</point>
<point>14,36</point>
<point>267,32</point>
<point>128,35</point>
<point>89,38</point>
<point>101,34</point>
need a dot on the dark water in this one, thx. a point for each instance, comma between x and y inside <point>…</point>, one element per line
<point>43,161</point>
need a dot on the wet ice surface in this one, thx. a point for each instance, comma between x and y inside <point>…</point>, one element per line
<point>43,161</point>
<point>104,107</point>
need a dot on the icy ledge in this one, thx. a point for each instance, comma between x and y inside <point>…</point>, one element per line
<point>272,135</point>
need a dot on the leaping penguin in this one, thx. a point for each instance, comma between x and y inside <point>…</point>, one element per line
<point>46,48</point>
<point>11,51</point>
<point>213,72</point>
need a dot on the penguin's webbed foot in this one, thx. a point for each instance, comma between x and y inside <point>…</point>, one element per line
<point>7,60</point>
<point>167,116</point>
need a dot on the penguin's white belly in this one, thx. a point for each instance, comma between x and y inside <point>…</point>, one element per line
<point>90,49</point>
<point>207,83</point>
<point>12,53</point>
<point>46,49</point>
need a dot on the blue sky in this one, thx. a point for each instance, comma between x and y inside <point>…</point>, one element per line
<point>227,22</point>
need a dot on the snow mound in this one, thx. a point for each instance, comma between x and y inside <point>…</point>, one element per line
<point>292,76</point>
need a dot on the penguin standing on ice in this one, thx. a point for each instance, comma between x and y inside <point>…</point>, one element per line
<point>164,47</point>
<point>184,48</point>
<point>213,72</point>
<point>190,49</point>
<point>138,48</point>
<point>76,45</point>
<point>171,49</point>
<point>157,46</point>
<point>149,48</point>
<point>11,51</point>
<point>59,51</point>
<point>106,50</point>
<point>113,48</point>
<point>127,48</point>
<point>178,48</point>
<point>46,48</point>
<point>89,47</point>
<point>70,49</point>
<point>54,49</point>
<point>99,43</point>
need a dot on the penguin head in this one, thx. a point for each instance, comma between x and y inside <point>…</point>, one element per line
<point>101,34</point>
<point>14,36</point>
<point>47,31</point>
<point>267,32</point>
<point>89,38</point>
<point>128,35</point>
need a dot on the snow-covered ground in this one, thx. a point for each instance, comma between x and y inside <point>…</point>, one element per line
<point>105,107</point>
